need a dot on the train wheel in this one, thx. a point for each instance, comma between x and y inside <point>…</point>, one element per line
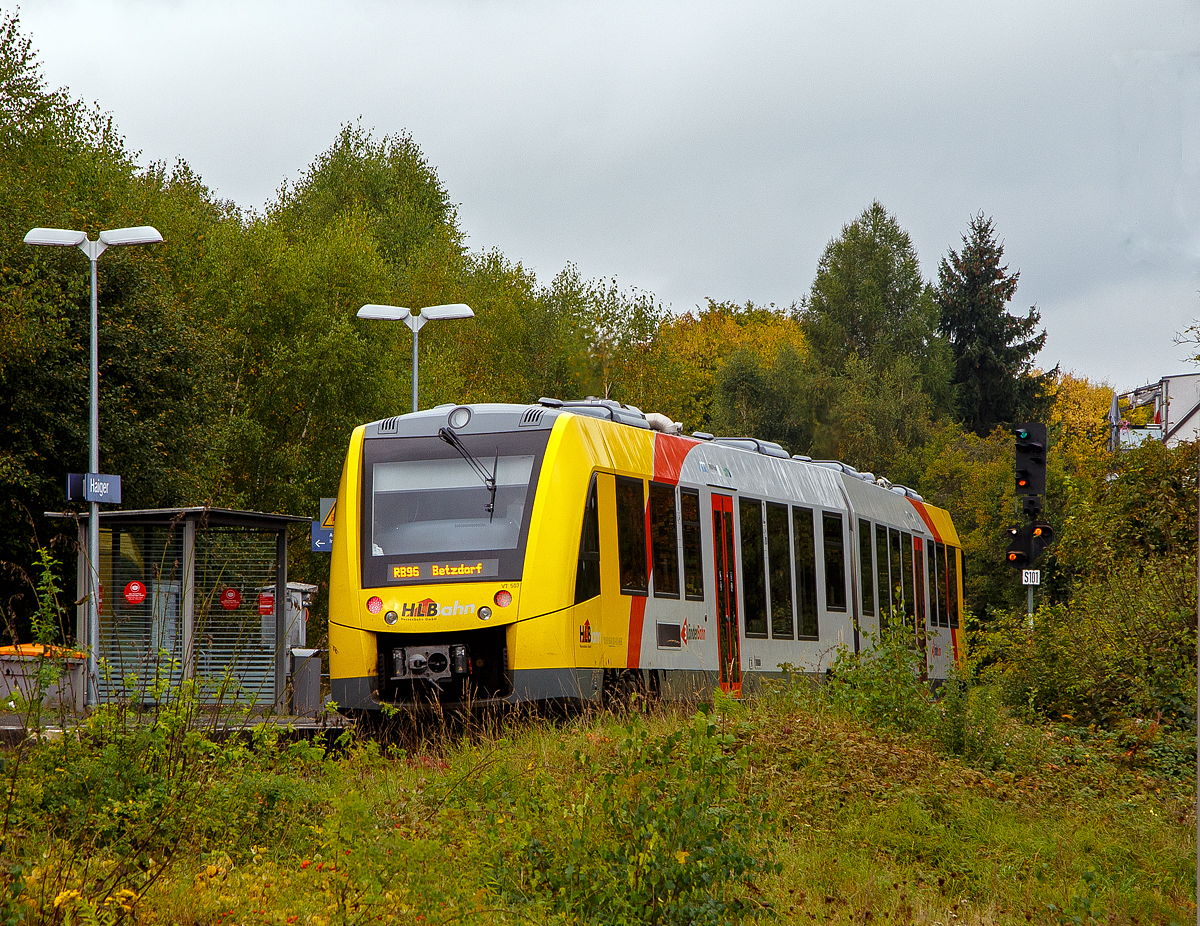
<point>624,689</point>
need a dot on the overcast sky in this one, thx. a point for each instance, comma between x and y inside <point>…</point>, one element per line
<point>712,149</point>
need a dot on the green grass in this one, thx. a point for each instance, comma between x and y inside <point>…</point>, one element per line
<point>788,808</point>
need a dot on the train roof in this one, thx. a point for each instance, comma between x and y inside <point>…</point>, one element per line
<point>735,461</point>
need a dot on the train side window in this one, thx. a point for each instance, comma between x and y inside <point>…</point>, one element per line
<point>943,604</point>
<point>896,586</point>
<point>865,569</point>
<point>931,561</point>
<point>664,541</point>
<point>906,573</point>
<point>835,561</point>
<point>587,573</point>
<point>804,543</point>
<point>881,565</point>
<point>920,595</point>
<point>952,574</point>
<point>631,535</point>
<point>779,563</point>
<point>693,568</point>
<point>754,579</point>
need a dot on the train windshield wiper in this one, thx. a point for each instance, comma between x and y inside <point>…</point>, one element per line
<point>480,470</point>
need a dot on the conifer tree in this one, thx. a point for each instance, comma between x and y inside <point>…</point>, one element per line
<point>993,351</point>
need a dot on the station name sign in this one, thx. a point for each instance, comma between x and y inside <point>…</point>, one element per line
<point>94,487</point>
<point>443,570</point>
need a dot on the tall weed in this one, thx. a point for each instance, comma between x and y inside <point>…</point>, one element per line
<point>657,835</point>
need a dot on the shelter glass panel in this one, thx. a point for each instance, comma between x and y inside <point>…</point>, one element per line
<point>235,633</point>
<point>142,574</point>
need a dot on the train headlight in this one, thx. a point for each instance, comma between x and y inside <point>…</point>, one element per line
<point>459,418</point>
<point>374,604</point>
<point>484,613</point>
<point>503,598</point>
<point>391,617</point>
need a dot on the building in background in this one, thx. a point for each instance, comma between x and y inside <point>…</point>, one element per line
<point>1168,410</point>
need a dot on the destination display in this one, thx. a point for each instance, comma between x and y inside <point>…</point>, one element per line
<point>442,570</point>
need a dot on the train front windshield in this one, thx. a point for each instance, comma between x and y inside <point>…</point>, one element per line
<point>442,506</point>
<point>428,514</point>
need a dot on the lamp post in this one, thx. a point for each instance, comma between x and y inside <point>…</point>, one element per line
<point>64,238</point>
<point>396,313</point>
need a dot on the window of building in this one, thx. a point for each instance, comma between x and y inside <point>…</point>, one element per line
<point>631,535</point>
<point>835,561</point>
<point>587,573</point>
<point>779,564</point>
<point>693,569</point>
<point>664,540</point>
<point>754,580</point>
<point>804,544</point>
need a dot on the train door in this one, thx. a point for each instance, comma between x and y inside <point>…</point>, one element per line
<point>725,556</point>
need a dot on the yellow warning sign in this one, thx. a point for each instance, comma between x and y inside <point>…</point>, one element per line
<point>328,511</point>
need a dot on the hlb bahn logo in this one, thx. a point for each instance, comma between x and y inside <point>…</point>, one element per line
<point>430,608</point>
<point>587,636</point>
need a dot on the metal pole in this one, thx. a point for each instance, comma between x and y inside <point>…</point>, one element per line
<point>1029,603</point>
<point>414,402</point>
<point>93,691</point>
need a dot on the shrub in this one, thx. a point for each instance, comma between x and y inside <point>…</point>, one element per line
<point>1123,647</point>
<point>883,684</point>
<point>658,836</point>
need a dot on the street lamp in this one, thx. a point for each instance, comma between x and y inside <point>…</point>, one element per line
<point>64,238</point>
<point>396,313</point>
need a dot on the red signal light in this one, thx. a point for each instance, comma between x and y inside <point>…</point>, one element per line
<point>374,604</point>
<point>503,598</point>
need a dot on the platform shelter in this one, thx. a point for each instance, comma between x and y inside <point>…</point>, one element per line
<point>192,593</point>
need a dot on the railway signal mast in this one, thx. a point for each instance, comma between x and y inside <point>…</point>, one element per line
<point>1028,541</point>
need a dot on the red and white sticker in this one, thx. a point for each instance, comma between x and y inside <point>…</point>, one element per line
<point>231,599</point>
<point>266,603</point>
<point>135,592</point>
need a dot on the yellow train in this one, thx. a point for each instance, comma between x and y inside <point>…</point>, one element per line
<point>511,553</point>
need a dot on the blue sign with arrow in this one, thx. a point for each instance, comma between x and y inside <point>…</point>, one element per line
<point>322,538</point>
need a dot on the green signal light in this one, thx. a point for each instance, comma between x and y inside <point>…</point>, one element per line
<point>1023,435</point>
